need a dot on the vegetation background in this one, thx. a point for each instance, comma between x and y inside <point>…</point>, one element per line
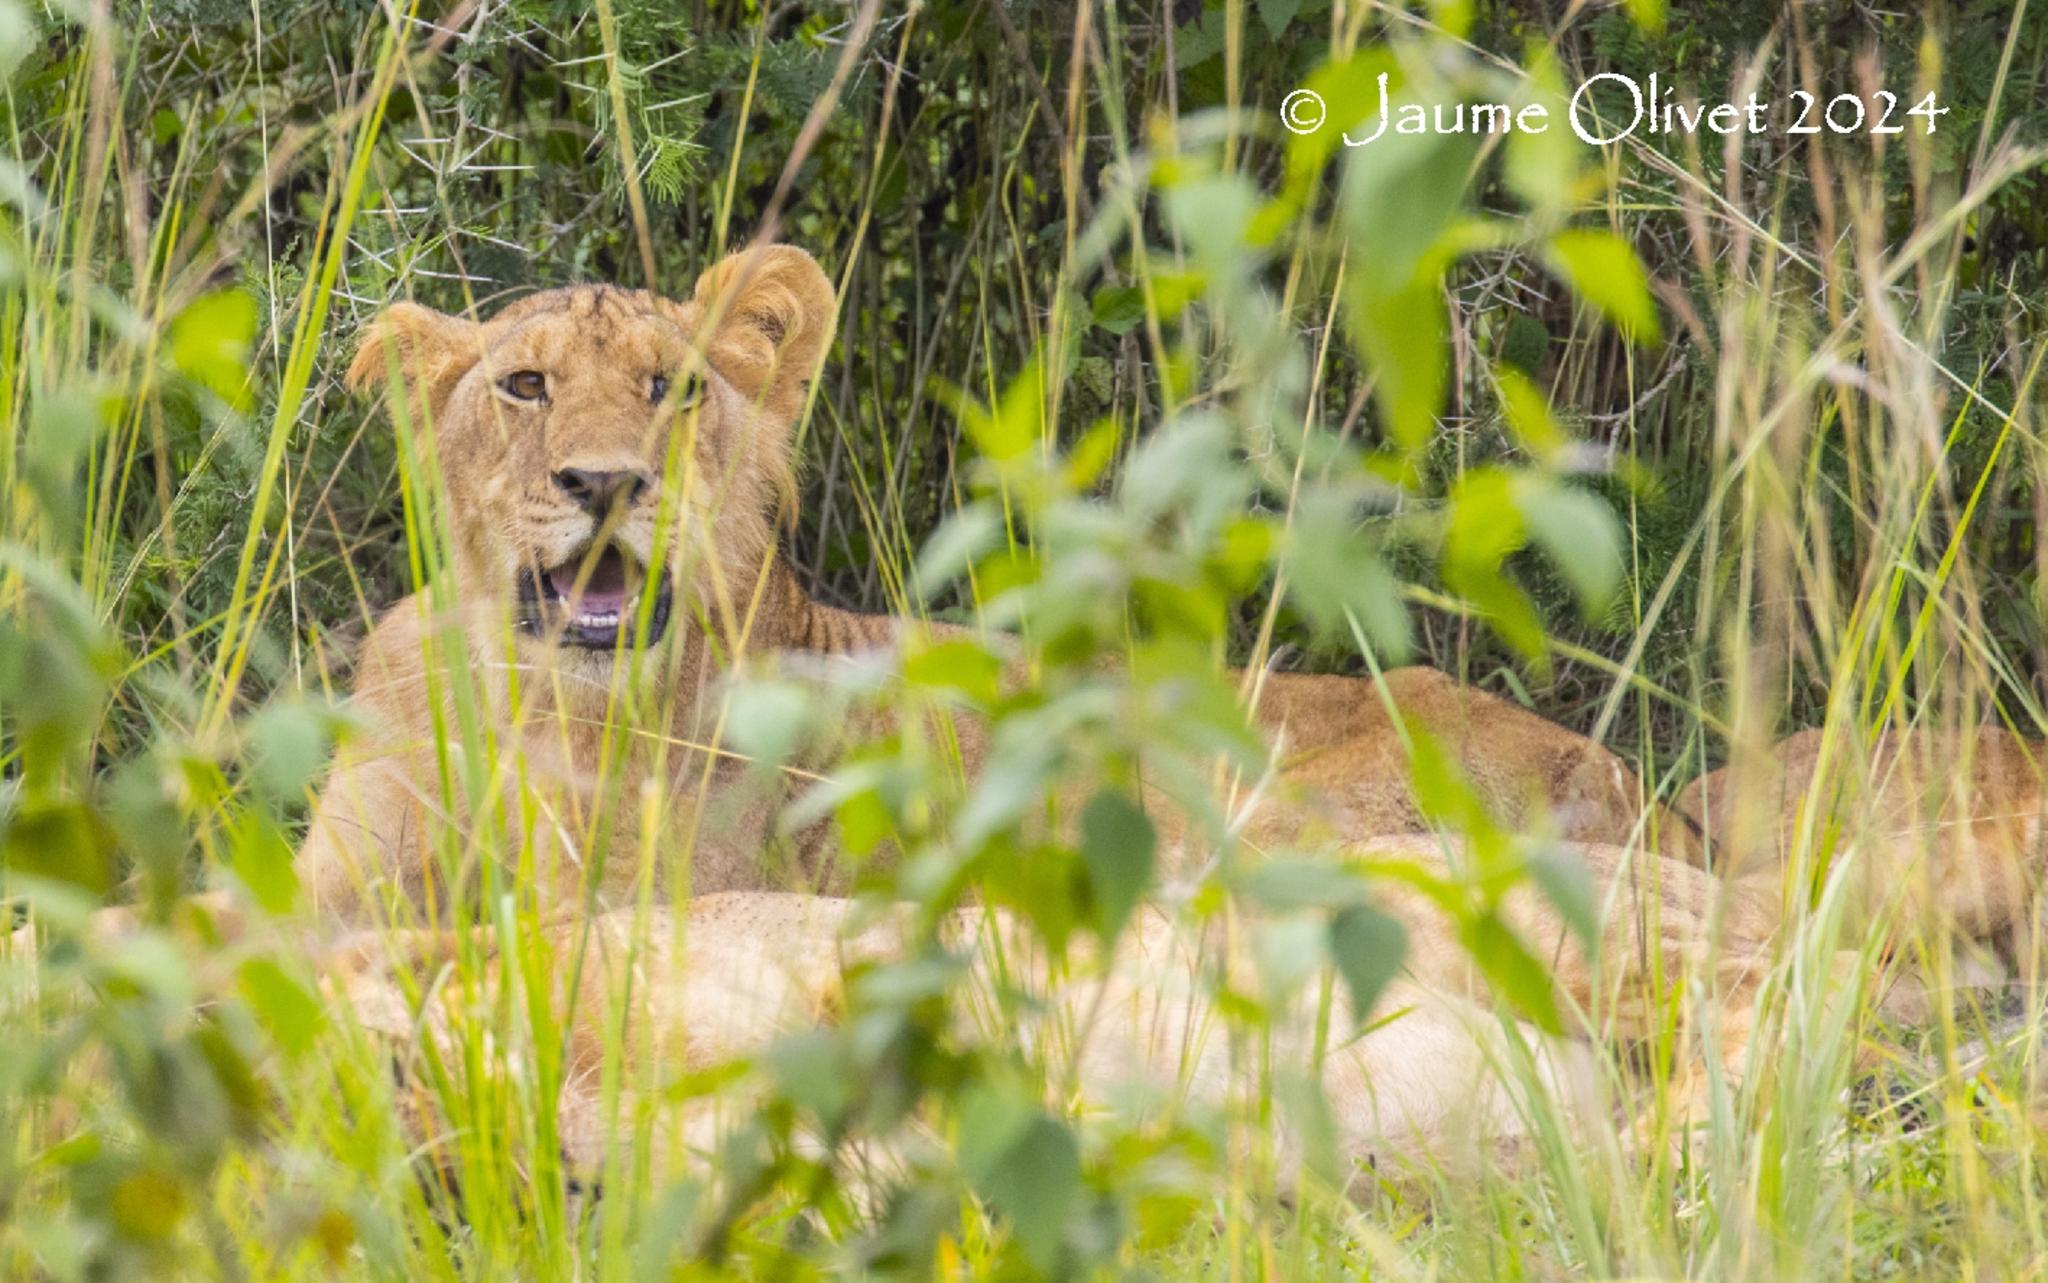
<point>951,169</point>
<point>1816,456</point>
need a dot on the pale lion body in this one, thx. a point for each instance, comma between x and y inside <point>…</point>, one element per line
<point>722,976</point>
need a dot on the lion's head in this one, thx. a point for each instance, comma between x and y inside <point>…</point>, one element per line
<point>589,433</point>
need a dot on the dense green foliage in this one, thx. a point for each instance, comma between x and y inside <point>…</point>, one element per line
<point>1679,444</point>
<point>940,199</point>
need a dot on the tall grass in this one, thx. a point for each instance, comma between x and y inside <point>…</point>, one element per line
<point>1191,366</point>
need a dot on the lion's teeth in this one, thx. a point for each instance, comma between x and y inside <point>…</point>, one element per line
<point>606,618</point>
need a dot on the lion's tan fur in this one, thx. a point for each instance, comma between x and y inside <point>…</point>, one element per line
<point>755,330</point>
<point>1348,762</point>
<point>760,321</point>
<point>1944,827</point>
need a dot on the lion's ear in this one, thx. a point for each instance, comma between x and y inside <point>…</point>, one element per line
<point>774,312</point>
<point>430,350</point>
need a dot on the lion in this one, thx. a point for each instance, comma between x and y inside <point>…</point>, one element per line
<point>1422,1077</point>
<point>1348,771</point>
<point>615,463</point>
<point>1943,827</point>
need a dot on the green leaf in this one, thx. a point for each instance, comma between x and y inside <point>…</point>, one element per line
<point>1335,571</point>
<point>1213,214</point>
<point>962,665</point>
<point>1485,526</point>
<point>291,1014</point>
<point>1647,14</point>
<point>66,842</point>
<point>1454,17</point>
<point>1528,413</point>
<point>1175,289</point>
<point>767,720</point>
<point>1090,456</point>
<point>993,1119</point>
<point>1512,970</point>
<point>63,426</point>
<point>1402,194</point>
<point>864,820</point>
<point>288,743</point>
<point>957,544</point>
<point>153,963</point>
<point>1402,199</point>
<point>1565,882</point>
<point>1579,533</point>
<point>1039,884</point>
<point>1605,272</point>
<point>1544,167</point>
<point>1299,1098</point>
<point>1243,553</point>
<point>1347,96</point>
<point>1283,886</point>
<point>1526,343</point>
<point>1367,947</point>
<point>210,343</point>
<point>1404,336</point>
<point>1276,14</point>
<point>1442,792</point>
<point>1289,950</point>
<point>1194,43</point>
<point>1017,422</point>
<point>1183,468</point>
<point>1485,519</point>
<point>811,1073</point>
<point>148,1204</point>
<point>1035,1181</point>
<point>1015,779</point>
<point>261,857</point>
<point>1506,608</point>
<point>1119,846</point>
<point>18,38</point>
<point>1118,308</point>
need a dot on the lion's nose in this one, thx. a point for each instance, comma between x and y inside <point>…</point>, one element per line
<point>600,492</point>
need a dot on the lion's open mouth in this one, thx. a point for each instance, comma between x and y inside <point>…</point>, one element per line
<point>593,600</point>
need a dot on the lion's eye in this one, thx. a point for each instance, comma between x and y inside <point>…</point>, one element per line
<point>680,389</point>
<point>525,385</point>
